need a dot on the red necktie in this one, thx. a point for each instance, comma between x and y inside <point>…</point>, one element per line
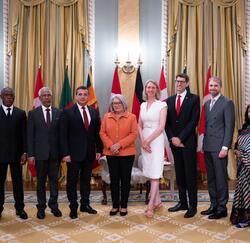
<point>48,117</point>
<point>178,105</point>
<point>85,118</point>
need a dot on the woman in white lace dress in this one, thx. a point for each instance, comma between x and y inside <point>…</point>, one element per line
<point>151,131</point>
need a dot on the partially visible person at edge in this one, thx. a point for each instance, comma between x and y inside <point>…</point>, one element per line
<point>80,146</point>
<point>12,149</point>
<point>151,126</point>
<point>240,215</point>
<point>118,133</point>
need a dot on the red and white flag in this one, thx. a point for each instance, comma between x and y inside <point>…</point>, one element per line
<point>200,154</point>
<point>116,87</point>
<point>39,85</point>
<point>164,95</point>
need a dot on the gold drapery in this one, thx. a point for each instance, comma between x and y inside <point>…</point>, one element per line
<point>51,33</point>
<point>208,32</point>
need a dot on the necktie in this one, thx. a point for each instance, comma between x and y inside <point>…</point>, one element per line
<point>85,118</point>
<point>8,113</point>
<point>48,117</point>
<point>178,105</point>
<point>212,103</point>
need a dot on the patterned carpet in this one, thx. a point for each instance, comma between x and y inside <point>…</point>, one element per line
<point>135,227</point>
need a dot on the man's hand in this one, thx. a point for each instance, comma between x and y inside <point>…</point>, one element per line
<point>31,160</point>
<point>67,159</point>
<point>23,158</point>
<point>97,156</point>
<point>223,153</point>
<point>177,142</point>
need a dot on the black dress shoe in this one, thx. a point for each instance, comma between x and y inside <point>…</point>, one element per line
<point>191,212</point>
<point>73,215</point>
<point>88,209</point>
<point>113,212</point>
<point>210,210</point>
<point>179,206</point>
<point>22,214</point>
<point>218,215</point>
<point>123,213</point>
<point>40,214</point>
<point>56,212</point>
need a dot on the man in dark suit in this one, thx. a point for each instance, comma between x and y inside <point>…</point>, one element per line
<point>219,127</point>
<point>80,145</point>
<point>43,150</point>
<point>182,119</point>
<point>12,149</point>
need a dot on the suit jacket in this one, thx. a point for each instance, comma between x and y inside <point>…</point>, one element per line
<point>219,124</point>
<point>76,141</point>
<point>12,135</point>
<point>184,125</point>
<point>43,141</point>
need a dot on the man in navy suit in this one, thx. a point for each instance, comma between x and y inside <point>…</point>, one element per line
<point>219,128</point>
<point>43,150</point>
<point>12,149</point>
<point>80,146</point>
<point>182,119</point>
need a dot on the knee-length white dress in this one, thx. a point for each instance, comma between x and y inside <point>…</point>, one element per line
<point>153,162</point>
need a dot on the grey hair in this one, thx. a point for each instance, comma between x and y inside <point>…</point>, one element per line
<point>158,92</point>
<point>7,90</point>
<point>44,89</point>
<point>216,79</point>
<point>122,100</point>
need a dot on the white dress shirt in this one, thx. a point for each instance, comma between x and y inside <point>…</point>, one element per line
<point>5,108</point>
<point>87,111</point>
<point>45,112</point>
<point>183,94</point>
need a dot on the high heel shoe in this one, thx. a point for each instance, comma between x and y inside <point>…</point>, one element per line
<point>158,206</point>
<point>149,213</point>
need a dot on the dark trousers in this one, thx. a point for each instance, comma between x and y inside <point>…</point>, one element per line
<point>73,170</point>
<point>120,168</point>
<point>46,168</point>
<point>217,180</point>
<point>185,162</point>
<point>17,182</point>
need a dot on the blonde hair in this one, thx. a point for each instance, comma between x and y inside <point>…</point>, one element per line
<point>158,92</point>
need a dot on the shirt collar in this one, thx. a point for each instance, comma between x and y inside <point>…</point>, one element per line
<point>80,107</point>
<point>6,107</point>
<point>45,108</point>
<point>112,114</point>
<point>183,94</point>
<point>216,97</point>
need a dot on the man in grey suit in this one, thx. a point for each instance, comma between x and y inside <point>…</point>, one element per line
<point>219,127</point>
<point>43,150</point>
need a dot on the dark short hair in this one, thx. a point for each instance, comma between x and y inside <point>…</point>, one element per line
<point>7,90</point>
<point>81,87</point>
<point>247,120</point>
<point>183,75</point>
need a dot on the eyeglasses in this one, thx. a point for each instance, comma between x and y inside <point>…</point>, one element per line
<point>180,81</point>
<point>116,103</point>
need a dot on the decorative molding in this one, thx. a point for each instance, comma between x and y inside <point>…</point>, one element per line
<point>91,32</point>
<point>247,57</point>
<point>5,36</point>
<point>164,34</point>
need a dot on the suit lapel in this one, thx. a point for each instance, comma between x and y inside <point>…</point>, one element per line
<point>2,113</point>
<point>42,118</point>
<point>78,116</point>
<point>184,103</point>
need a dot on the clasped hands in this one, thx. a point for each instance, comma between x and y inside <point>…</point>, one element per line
<point>146,145</point>
<point>115,148</point>
<point>177,142</point>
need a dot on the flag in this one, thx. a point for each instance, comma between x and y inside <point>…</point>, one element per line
<point>163,86</point>
<point>38,86</point>
<point>164,95</point>
<point>66,100</point>
<point>92,97</point>
<point>200,154</point>
<point>138,94</point>
<point>116,87</point>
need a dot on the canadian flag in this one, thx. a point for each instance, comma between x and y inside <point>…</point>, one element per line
<point>39,85</point>
<point>200,154</point>
<point>164,95</point>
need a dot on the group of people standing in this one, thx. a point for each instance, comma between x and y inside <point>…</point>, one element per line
<point>77,136</point>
